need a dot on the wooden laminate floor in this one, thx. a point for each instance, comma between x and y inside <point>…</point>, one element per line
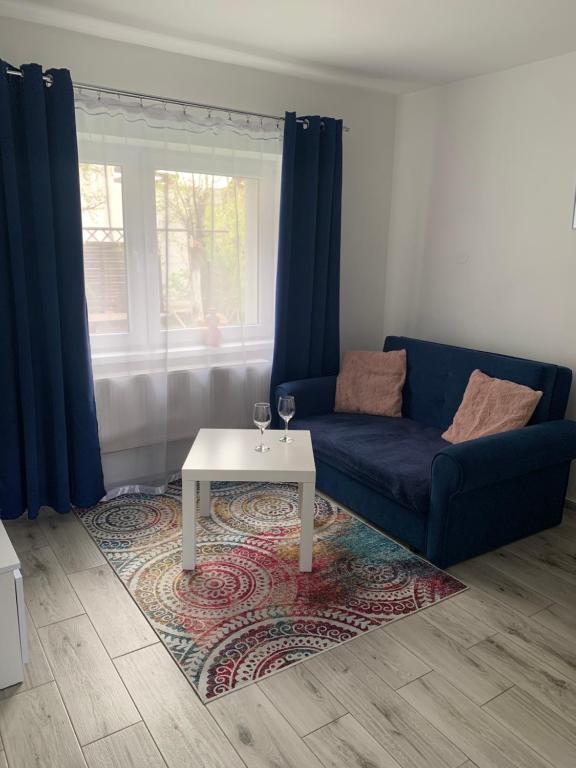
<point>486,679</point>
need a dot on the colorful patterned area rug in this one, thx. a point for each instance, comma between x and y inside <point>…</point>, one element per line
<point>247,611</point>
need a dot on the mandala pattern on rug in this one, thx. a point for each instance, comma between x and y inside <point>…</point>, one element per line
<point>247,611</point>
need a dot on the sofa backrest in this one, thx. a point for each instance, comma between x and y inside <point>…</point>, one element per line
<point>437,375</point>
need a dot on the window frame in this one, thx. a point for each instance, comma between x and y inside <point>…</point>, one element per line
<point>145,340</point>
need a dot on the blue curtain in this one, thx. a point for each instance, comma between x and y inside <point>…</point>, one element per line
<point>49,450</point>
<point>307,332</point>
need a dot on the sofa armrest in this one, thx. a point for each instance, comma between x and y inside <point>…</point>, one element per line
<point>314,397</point>
<point>487,460</point>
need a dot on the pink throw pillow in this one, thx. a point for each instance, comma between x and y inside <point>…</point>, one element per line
<point>371,382</point>
<point>490,406</point>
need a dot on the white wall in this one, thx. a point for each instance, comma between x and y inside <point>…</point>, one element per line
<point>368,148</point>
<point>481,249</point>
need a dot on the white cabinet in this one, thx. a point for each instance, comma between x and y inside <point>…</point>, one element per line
<point>13,636</point>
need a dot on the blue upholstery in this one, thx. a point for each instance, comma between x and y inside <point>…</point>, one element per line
<point>437,375</point>
<point>450,502</point>
<point>393,456</point>
<point>401,522</point>
<point>491,459</point>
<point>314,396</point>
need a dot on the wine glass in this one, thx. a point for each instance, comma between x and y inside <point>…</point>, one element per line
<point>286,410</point>
<point>262,418</point>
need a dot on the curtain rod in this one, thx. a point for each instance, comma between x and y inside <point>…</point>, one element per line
<point>48,79</point>
<point>182,103</point>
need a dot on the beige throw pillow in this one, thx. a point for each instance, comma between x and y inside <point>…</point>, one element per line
<point>371,382</point>
<point>490,406</point>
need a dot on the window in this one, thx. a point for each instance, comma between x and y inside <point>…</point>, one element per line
<point>104,253</point>
<point>201,223</point>
<point>179,248</point>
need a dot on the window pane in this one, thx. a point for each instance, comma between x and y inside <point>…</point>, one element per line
<point>104,251</point>
<point>201,227</point>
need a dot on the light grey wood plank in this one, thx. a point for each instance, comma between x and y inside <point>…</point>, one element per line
<point>534,576</point>
<point>529,672</point>
<point>116,617</point>
<point>259,733</point>
<point>474,678</point>
<point>563,534</point>
<point>548,554</point>
<point>395,725</point>
<point>3,763</point>
<point>180,724</point>
<point>93,693</point>
<point>388,658</point>
<point>71,543</point>
<point>558,651</point>
<point>302,699</point>
<point>346,744</point>
<point>25,534</point>
<point>557,619</point>
<point>473,730</point>
<point>541,728</point>
<point>477,573</point>
<point>454,621</point>
<point>47,591</point>
<point>131,748</point>
<point>36,731</point>
<point>487,609</point>
<point>562,538</point>
<point>37,671</point>
<point>568,521</point>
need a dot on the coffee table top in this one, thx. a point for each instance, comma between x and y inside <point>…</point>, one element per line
<point>228,454</point>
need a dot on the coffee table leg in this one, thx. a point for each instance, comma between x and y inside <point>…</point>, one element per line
<point>188,525</point>
<point>306,494</point>
<point>205,498</point>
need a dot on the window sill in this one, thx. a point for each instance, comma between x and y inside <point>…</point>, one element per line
<point>172,359</point>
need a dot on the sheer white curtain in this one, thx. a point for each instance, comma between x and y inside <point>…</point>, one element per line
<point>180,212</point>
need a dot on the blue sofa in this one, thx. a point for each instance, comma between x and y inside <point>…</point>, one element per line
<point>448,502</point>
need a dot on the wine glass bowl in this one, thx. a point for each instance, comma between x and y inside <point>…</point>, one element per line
<point>262,417</point>
<point>286,411</point>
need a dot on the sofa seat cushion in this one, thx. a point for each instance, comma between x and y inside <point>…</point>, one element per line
<point>393,456</point>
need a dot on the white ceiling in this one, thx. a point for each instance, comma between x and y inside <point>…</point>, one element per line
<point>390,45</point>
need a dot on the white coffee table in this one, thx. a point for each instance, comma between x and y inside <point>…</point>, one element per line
<point>228,454</point>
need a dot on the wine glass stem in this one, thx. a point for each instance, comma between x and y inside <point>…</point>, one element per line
<point>261,438</point>
<point>286,429</point>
